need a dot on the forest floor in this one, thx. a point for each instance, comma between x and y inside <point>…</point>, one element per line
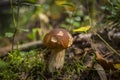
<point>91,57</point>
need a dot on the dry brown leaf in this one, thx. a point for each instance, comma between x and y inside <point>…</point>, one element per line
<point>103,62</point>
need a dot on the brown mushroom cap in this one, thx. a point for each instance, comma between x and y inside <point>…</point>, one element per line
<point>58,38</point>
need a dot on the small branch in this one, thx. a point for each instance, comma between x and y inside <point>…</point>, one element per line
<point>14,21</point>
<point>4,50</point>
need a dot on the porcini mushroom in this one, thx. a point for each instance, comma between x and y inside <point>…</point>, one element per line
<point>57,40</point>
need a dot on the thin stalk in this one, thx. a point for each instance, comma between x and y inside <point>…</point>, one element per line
<point>15,22</point>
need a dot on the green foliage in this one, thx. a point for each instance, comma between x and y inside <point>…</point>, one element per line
<point>20,62</point>
<point>74,67</point>
<point>31,1</point>
<point>33,34</point>
<point>76,18</point>
<point>3,64</point>
<point>32,66</point>
<point>8,34</point>
<point>112,10</point>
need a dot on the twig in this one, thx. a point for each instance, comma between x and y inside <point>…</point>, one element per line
<point>4,50</point>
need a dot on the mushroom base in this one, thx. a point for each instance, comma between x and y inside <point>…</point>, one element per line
<point>56,59</point>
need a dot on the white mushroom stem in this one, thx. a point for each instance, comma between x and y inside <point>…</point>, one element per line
<point>56,59</point>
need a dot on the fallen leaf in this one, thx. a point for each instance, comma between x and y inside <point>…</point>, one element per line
<point>60,2</point>
<point>103,62</point>
<point>66,4</point>
<point>117,66</point>
<point>82,29</point>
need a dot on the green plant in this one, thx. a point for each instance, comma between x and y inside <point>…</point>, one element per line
<point>112,10</point>
<point>21,63</point>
